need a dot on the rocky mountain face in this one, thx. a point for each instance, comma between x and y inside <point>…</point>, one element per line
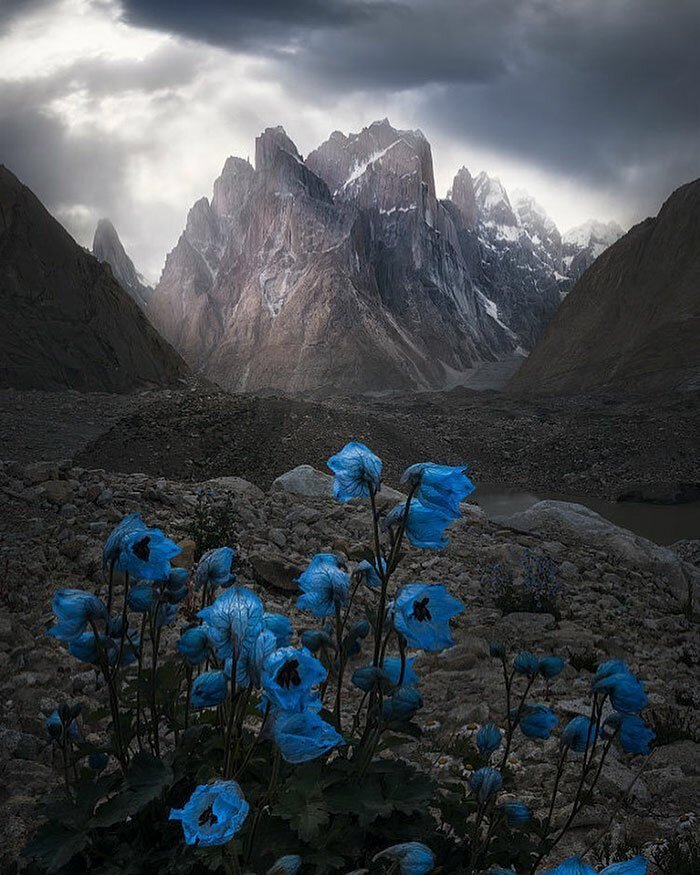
<point>632,321</point>
<point>583,244</point>
<point>343,270</point>
<point>346,271</point>
<point>65,322</point>
<point>107,247</point>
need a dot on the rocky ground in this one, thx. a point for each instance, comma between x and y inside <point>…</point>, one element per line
<point>599,447</point>
<point>620,596</point>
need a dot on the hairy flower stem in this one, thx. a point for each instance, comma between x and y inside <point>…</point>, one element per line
<point>264,802</point>
<point>512,723</point>
<point>402,653</point>
<point>256,741</point>
<point>231,716</point>
<point>155,643</point>
<point>337,716</point>
<point>64,756</point>
<point>139,671</point>
<point>113,698</point>
<point>188,696</point>
<point>110,589</point>
<point>122,636</point>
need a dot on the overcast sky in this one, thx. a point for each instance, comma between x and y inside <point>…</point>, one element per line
<point>128,108</point>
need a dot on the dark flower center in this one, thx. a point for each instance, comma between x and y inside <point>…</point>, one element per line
<point>420,610</point>
<point>141,549</point>
<point>207,817</point>
<point>288,675</point>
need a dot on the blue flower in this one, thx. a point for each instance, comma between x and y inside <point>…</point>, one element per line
<point>422,615</point>
<point>370,677</point>
<point>413,858</point>
<point>392,667</point>
<point>280,626</point>
<point>131,523</point>
<point>578,733</point>
<point>486,783</point>
<point>612,666</point>
<point>488,738</point>
<point>537,721</point>
<point>425,526</point>
<point>84,648</point>
<point>324,584</point>
<point>290,676</point>
<point>497,650</point>
<point>551,666</point>
<point>636,866</point>
<point>140,598</point>
<point>214,567</point>
<point>145,554</point>
<point>368,574</point>
<point>439,486</point>
<point>194,644</point>
<point>304,736</point>
<point>632,732</point>
<point>314,639</point>
<point>54,727</point>
<point>526,663</point>
<point>213,815</point>
<point>358,472</point>
<point>402,704</point>
<point>209,689</point>
<point>572,866</point>
<point>290,864</point>
<point>250,666</point>
<point>234,621</point>
<point>516,813</point>
<point>625,691</point>
<point>74,609</point>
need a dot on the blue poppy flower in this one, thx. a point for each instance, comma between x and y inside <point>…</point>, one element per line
<point>636,866</point>
<point>290,676</point>
<point>303,736</point>
<point>526,663</point>
<point>74,608</point>
<point>402,704</point>
<point>422,613</point>
<point>290,864</point>
<point>54,727</point>
<point>84,648</point>
<point>234,621</point>
<point>145,554</point>
<point>632,732</point>
<point>325,586</point>
<point>612,666</point>
<point>551,666</point>
<point>176,589</point>
<point>392,667</point>
<point>497,650</point>
<point>131,523</point>
<point>140,598</point>
<point>213,815</point>
<point>314,639</point>
<point>214,567</point>
<point>439,486</point>
<point>194,644</point>
<point>578,733</point>
<point>356,633</point>
<point>368,574</point>
<point>516,813</point>
<point>537,721</point>
<point>250,666</point>
<point>571,866</point>
<point>358,472</point>
<point>98,761</point>
<point>486,783</point>
<point>413,858</point>
<point>370,677</point>
<point>280,626</point>
<point>625,691</point>
<point>209,689</point>
<point>488,738</point>
<point>425,526</point>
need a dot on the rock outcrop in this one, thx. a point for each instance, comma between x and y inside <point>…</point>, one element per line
<point>65,321</point>
<point>107,247</point>
<point>632,322</point>
<point>341,271</point>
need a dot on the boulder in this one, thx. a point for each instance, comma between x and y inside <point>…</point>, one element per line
<point>308,481</point>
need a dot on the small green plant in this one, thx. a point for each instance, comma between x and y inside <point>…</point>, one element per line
<point>672,724</point>
<point>679,855</point>
<point>213,522</point>
<point>535,591</point>
<point>584,659</point>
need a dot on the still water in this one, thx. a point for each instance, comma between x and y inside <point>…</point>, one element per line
<point>663,524</point>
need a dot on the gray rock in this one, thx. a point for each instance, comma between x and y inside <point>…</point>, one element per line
<point>238,486</point>
<point>305,480</point>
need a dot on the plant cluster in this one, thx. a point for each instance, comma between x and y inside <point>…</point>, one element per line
<point>535,591</point>
<point>248,749</point>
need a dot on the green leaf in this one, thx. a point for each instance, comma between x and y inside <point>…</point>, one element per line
<point>145,781</point>
<point>305,809</point>
<point>55,845</point>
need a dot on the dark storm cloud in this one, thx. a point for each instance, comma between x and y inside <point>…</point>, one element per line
<point>604,92</point>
